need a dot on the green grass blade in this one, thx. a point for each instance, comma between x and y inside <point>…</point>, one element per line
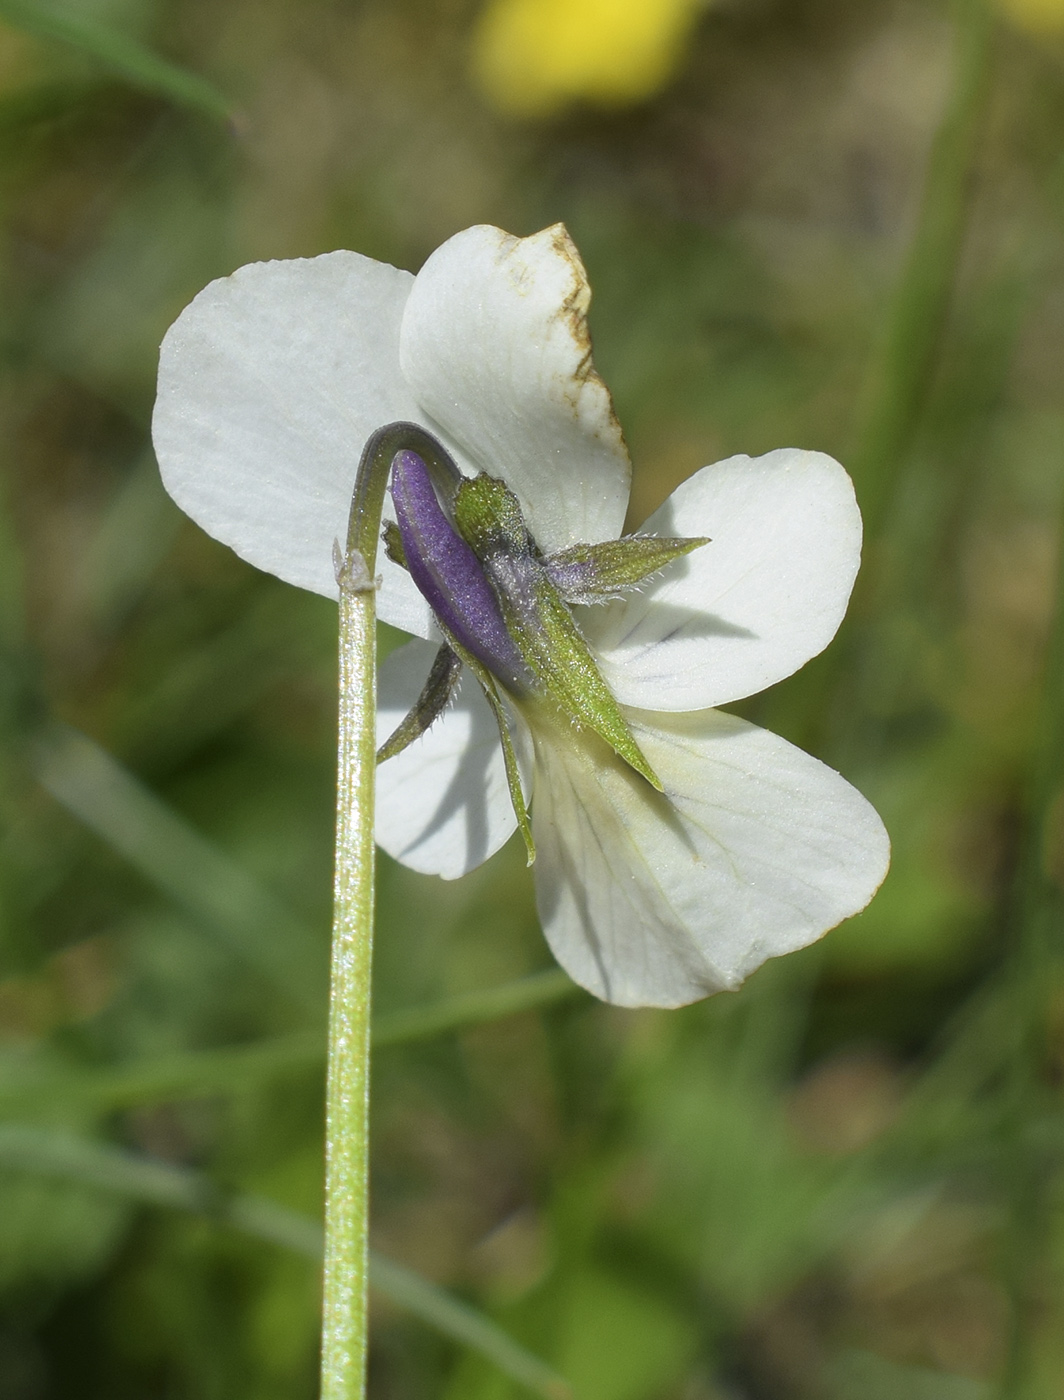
<point>25,1085</point>
<point>139,65</point>
<point>131,540</point>
<point>473,1008</point>
<point>68,1157</point>
<point>104,795</point>
<point>459,1321</point>
<point>112,1169</point>
<point>903,370</point>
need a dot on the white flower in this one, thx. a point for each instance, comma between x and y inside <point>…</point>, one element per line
<point>270,383</point>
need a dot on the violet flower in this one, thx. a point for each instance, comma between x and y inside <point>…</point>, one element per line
<point>677,847</point>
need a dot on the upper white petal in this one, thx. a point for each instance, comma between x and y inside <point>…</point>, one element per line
<point>495,347</point>
<point>740,613</point>
<point>270,381</point>
<point>758,850</point>
<point>443,805</point>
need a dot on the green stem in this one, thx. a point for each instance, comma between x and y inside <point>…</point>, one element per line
<point>904,369</point>
<point>347,1093</point>
<point>347,1088</point>
<point>838,696</point>
<point>1035,967</point>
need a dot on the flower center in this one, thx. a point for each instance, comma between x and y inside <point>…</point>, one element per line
<point>493,596</point>
<point>450,576</point>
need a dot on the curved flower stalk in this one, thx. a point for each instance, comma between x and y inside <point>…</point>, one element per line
<point>676,847</point>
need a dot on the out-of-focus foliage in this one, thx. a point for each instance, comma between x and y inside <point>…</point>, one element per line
<point>839,226</point>
<point>1038,16</point>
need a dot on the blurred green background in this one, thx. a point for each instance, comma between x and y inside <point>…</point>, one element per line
<point>806,222</point>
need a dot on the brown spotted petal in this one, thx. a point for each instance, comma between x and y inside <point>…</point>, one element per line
<point>494,347</point>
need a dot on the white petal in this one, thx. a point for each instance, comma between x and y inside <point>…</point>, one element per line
<point>752,606</point>
<point>759,850</point>
<point>270,381</point>
<point>495,347</point>
<point>443,806</point>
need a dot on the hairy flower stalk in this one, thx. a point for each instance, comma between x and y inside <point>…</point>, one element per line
<point>346,1268</point>
<point>562,680</point>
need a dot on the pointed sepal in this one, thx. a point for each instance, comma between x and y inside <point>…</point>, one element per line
<point>436,695</point>
<point>596,573</point>
<point>393,544</point>
<point>509,753</point>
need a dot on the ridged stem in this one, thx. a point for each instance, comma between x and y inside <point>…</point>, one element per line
<point>344,1321</point>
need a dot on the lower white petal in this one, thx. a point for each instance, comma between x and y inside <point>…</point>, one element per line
<point>443,806</point>
<point>756,850</point>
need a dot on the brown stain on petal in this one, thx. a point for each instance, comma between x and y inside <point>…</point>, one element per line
<point>516,270</point>
<point>573,314</point>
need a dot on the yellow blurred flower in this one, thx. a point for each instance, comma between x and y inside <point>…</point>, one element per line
<point>533,57</point>
<point>1036,16</point>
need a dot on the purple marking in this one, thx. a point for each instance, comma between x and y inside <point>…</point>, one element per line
<point>574,579</point>
<point>449,575</point>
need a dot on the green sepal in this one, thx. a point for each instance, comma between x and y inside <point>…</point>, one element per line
<point>488,515</point>
<point>509,754</point>
<point>557,655</point>
<point>595,573</point>
<point>434,699</point>
<point>393,544</point>
<point>435,696</point>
